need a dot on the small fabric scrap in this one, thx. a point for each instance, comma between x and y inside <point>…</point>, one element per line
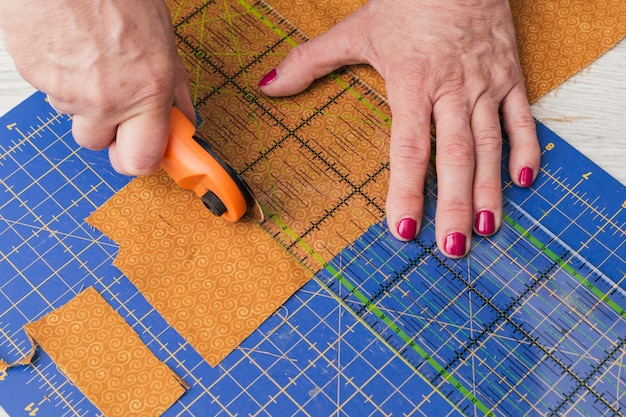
<point>102,355</point>
<point>214,281</point>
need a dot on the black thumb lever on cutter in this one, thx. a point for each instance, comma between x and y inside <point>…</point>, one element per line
<point>195,166</point>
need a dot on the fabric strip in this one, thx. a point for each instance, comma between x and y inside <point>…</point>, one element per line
<point>213,281</point>
<point>102,355</point>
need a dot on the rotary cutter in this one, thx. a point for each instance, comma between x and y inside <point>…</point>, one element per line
<point>195,166</point>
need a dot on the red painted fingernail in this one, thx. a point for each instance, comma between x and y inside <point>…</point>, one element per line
<point>454,244</point>
<point>526,176</point>
<point>268,78</point>
<point>485,223</point>
<point>407,228</point>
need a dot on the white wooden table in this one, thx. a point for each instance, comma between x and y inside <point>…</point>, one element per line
<point>589,110</point>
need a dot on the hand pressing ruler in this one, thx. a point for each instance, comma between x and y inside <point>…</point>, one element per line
<point>532,323</point>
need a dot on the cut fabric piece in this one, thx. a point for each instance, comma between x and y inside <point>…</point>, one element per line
<point>214,281</point>
<point>102,355</point>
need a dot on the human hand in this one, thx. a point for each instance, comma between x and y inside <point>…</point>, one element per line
<point>112,64</point>
<point>454,62</point>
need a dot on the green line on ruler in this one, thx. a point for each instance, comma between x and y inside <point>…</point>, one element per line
<point>252,10</point>
<point>382,116</point>
<point>565,266</point>
<point>407,339</point>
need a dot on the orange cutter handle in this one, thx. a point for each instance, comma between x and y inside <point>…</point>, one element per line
<point>193,168</point>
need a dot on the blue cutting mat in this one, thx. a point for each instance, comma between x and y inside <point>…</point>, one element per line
<point>532,323</point>
<point>312,357</point>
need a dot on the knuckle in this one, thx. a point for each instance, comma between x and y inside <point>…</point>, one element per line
<point>87,141</point>
<point>407,152</point>
<point>455,153</point>
<point>91,145</point>
<point>488,142</point>
<point>489,189</point>
<point>138,165</point>
<point>454,208</point>
<point>521,121</point>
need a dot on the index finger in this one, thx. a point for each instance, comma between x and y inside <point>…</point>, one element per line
<point>140,142</point>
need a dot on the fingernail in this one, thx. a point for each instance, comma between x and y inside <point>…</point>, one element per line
<point>407,228</point>
<point>485,223</point>
<point>526,176</point>
<point>454,244</point>
<point>268,78</point>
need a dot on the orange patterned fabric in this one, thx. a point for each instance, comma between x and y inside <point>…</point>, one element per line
<point>213,281</point>
<point>558,38</point>
<point>102,355</point>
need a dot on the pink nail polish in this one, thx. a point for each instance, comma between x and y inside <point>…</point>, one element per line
<point>268,78</point>
<point>407,228</point>
<point>526,176</point>
<point>454,244</point>
<point>485,223</point>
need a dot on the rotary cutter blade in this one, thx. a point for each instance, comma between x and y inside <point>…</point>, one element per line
<point>195,166</point>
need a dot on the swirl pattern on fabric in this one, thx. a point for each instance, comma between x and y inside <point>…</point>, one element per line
<point>105,358</point>
<point>213,281</point>
<point>558,38</point>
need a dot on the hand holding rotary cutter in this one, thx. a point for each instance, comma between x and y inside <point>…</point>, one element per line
<point>195,166</point>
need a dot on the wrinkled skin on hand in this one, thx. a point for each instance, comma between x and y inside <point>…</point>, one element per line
<point>453,62</point>
<point>113,64</point>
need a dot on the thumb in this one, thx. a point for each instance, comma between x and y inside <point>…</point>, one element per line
<point>314,59</point>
